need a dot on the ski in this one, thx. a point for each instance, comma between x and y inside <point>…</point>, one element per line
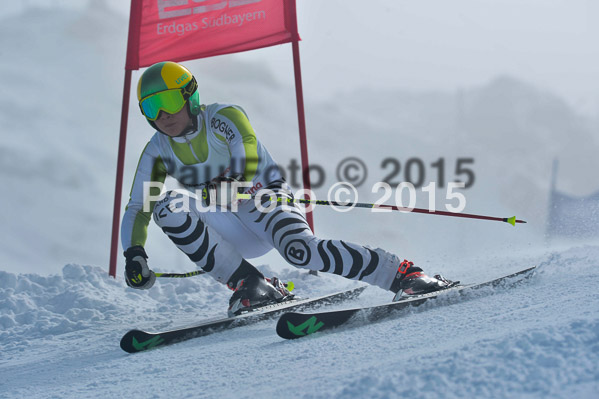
<point>139,340</point>
<point>292,325</point>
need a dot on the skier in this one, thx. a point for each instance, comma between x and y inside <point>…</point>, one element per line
<point>213,150</point>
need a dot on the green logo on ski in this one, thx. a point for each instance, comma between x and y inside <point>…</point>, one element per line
<point>311,325</point>
<point>150,343</point>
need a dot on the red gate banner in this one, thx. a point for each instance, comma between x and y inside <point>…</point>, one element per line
<point>179,30</point>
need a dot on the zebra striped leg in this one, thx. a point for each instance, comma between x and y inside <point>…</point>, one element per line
<point>285,227</point>
<point>201,243</point>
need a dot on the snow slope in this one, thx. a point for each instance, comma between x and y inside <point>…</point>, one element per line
<point>60,338</point>
<point>60,325</point>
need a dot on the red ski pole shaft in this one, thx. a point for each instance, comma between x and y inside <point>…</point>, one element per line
<point>511,220</point>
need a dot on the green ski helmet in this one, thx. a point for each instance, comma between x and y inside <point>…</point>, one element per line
<point>167,86</point>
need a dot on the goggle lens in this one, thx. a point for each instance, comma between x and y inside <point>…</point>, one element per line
<point>169,101</point>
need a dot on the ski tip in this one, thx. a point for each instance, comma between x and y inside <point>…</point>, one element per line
<point>244,196</point>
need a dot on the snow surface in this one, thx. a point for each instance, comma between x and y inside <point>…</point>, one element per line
<point>60,325</point>
<point>60,338</point>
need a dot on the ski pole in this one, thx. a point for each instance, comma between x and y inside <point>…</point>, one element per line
<point>511,220</point>
<point>289,285</point>
<point>180,275</point>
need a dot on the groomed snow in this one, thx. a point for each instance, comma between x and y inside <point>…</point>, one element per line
<point>60,338</point>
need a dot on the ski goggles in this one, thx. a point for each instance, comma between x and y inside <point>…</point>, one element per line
<point>170,101</point>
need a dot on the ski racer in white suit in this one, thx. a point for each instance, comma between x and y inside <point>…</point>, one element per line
<point>212,150</point>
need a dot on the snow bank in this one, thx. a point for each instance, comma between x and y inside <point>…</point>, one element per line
<point>34,306</point>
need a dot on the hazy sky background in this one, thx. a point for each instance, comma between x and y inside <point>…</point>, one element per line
<point>434,44</point>
<point>514,131</point>
<point>450,44</point>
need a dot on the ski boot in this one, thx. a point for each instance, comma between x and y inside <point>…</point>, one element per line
<point>411,281</point>
<point>255,291</point>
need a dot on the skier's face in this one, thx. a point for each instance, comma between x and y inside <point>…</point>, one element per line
<point>173,124</point>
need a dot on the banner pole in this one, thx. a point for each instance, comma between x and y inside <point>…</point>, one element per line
<point>118,189</point>
<point>299,94</point>
<point>131,63</point>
